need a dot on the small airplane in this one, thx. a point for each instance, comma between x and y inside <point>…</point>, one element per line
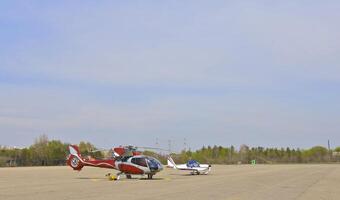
<point>126,159</point>
<point>192,165</point>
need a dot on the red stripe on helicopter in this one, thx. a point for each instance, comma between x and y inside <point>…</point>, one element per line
<point>100,163</point>
<point>130,169</point>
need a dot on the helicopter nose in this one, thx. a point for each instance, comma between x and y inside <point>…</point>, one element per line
<point>154,165</point>
<point>156,168</point>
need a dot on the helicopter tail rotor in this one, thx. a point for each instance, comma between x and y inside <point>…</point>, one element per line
<point>74,159</point>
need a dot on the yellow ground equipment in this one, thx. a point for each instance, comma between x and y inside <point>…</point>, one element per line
<point>111,177</point>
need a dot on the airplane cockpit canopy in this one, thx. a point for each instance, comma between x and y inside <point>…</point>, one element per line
<point>193,163</point>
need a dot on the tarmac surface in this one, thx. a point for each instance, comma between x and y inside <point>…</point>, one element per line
<point>225,182</point>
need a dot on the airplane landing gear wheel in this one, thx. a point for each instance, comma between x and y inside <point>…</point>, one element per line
<point>128,176</point>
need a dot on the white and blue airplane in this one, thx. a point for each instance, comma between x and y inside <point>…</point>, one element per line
<point>193,166</point>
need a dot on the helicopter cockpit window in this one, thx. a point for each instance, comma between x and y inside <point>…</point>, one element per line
<point>139,161</point>
<point>124,159</point>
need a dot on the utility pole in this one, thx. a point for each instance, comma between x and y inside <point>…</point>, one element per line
<point>157,145</point>
<point>329,151</point>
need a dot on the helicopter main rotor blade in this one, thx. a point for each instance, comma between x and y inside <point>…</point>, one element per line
<point>153,148</point>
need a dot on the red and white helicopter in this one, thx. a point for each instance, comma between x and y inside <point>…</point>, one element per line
<point>126,159</point>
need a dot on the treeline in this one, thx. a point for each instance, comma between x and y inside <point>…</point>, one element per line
<point>245,155</point>
<point>43,152</point>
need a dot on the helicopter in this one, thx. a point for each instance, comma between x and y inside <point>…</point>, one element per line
<point>126,159</point>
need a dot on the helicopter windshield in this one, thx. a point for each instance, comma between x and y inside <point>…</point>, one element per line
<point>139,161</point>
<point>154,164</point>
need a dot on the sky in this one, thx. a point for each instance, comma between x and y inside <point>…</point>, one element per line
<point>261,73</point>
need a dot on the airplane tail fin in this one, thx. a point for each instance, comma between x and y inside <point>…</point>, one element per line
<point>171,163</point>
<point>74,159</point>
